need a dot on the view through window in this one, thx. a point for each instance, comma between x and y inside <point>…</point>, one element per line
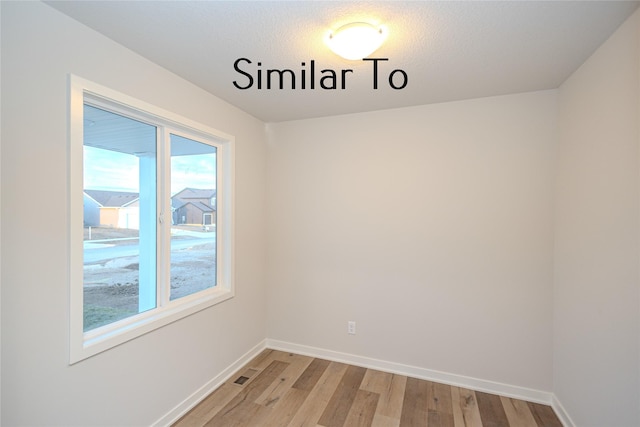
<point>193,205</point>
<point>121,177</point>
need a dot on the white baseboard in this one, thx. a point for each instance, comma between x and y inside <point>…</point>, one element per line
<point>185,406</point>
<point>506,390</point>
<point>562,413</point>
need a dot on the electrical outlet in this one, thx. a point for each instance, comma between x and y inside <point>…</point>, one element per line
<point>351,327</point>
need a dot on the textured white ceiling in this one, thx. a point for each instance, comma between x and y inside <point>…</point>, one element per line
<point>450,50</point>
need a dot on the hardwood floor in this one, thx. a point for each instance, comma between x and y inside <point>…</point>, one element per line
<point>284,389</point>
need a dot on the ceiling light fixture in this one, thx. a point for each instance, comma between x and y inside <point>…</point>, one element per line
<point>356,40</point>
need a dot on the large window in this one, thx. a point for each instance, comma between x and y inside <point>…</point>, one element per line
<point>150,218</point>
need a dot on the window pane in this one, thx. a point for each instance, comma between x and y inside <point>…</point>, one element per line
<point>193,207</point>
<point>119,181</point>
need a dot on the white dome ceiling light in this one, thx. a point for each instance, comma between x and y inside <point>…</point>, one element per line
<point>356,40</point>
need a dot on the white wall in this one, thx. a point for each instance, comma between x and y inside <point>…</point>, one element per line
<point>430,226</point>
<point>137,382</point>
<point>0,227</point>
<point>596,328</point>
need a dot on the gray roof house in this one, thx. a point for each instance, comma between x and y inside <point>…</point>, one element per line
<point>111,208</point>
<point>194,206</point>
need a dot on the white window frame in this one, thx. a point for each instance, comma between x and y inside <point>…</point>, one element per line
<point>86,344</point>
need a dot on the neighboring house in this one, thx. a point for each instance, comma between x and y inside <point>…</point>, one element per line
<point>117,209</point>
<point>194,206</point>
<point>120,209</point>
<point>91,211</point>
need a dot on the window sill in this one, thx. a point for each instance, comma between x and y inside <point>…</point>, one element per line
<point>114,334</point>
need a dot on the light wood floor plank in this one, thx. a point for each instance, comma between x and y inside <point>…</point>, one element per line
<point>260,359</point>
<point>276,390</point>
<point>206,409</point>
<point>375,381</point>
<point>415,409</point>
<point>439,419</point>
<point>544,415</point>
<point>383,421</point>
<point>440,408</point>
<point>363,409</point>
<point>465,408</point>
<point>311,375</point>
<point>390,387</point>
<point>518,412</point>
<point>244,413</point>
<point>319,397</point>
<point>286,409</point>
<point>338,407</point>
<point>242,409</point>
<point>280,389</point>
<point>260,363</point>
<point>491,410</point>
<point>305,381</point>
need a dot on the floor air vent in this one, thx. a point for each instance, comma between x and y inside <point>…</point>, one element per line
<point>241,380</point>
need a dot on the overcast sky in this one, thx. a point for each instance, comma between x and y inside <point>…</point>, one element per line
<point>110,170</point>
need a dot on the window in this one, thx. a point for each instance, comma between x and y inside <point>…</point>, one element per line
<point>151,218</point>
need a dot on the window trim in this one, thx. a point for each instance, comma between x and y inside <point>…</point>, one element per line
<point>86,344</point>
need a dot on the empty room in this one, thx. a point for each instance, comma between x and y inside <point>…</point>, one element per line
<point>243,220</point>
